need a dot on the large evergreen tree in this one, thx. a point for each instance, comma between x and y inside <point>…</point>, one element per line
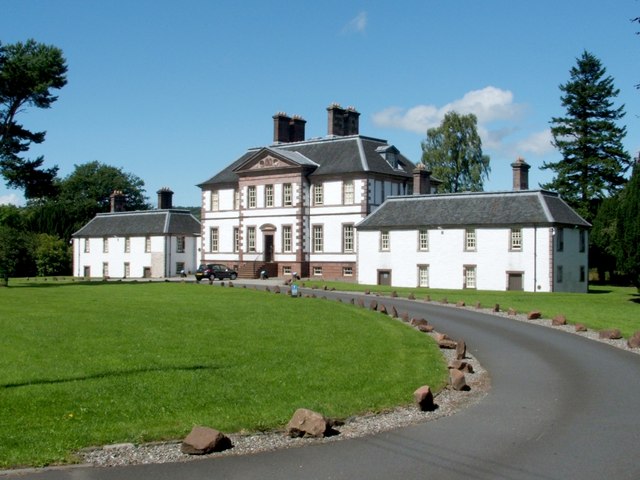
<point>593,158</point>
<point>453,154</point>
<point>28,73</point>
<point>628,226</point>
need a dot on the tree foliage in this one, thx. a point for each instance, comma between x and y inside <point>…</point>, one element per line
<point>453,154</point>
<point>52,255</point>
<point>594,160</point>
<point>83,194</point>
<point>29,72</point>
<point>628,228</point>
<point>13,253</point>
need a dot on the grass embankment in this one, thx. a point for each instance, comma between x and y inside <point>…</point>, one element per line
<point>99,363</point>
<point>603,307</point>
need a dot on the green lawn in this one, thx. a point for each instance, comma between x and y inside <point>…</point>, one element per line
<point>603,307</point>
<point>86,364</point>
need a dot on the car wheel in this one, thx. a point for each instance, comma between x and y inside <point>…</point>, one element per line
<point>233,276</point>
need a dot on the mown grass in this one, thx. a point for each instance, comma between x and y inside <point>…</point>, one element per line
<point>602,308</point>
<point>87,364</point>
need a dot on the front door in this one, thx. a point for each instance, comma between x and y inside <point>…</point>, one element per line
<point>515,281</point>
<point>384,277</point>
<point>268,248</point>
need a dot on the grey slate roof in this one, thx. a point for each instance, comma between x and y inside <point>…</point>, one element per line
<point>141,222</point>
<point>483,209</point>
<point>329,156</point>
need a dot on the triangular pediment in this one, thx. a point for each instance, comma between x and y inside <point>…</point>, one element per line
<point>267,159</point>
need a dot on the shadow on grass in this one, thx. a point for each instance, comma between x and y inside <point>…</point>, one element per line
<point>43,283</point>
<point>598,290</point>
<point>95,376</point>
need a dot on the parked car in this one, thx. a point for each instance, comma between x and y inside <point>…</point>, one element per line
<point>215,271</point>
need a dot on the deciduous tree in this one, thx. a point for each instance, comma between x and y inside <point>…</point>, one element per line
<point>453,154</point>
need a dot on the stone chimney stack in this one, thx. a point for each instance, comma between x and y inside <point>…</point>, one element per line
<point>117,201</point>
<point>342,122</point>
<point>296,128</point>
<point>165,198</point>
<point>281,130</point>
<point>520,174</point>
<point>352,121</point>
<point>287,129</point>
<point>335,120</point>
<point>421,180</point>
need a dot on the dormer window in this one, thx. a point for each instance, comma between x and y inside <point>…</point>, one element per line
<point>391,155</point>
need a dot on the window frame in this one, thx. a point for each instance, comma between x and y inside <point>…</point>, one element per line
<point>423,269</point>
<point>470,240</point>
<point>268,196</point>
<point>348,238</point>
<point>251,240</point>
<point>287,239</point>
<point>287,194</point>
<point>214,239</point>
<point>147,244</point>
<point>559,239</point>
<point>515,240</point>
<point>181,243</point>
<point>318,194</point>
<point>317,238</point>
<point>385,241</point>
<point>252,194</point>
<point>470,272</point>
<point>423,240</point>
<point>348,192</point>
<point>215,201</point>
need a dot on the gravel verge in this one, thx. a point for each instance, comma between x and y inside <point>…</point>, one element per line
<point>448,402</point>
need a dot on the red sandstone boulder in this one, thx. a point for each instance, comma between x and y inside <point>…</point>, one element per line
<point>460,304</point>
<point>610,334</point>
<point>580,327</point>
<point>373,305</point>
<point>457,380</point>
<point>204,440</point>
<point>461,365</point>
<point>511,311</point>
<point>461,349</point>
<point>444,341</point>
<point>534,315</point>
<point>424,399</point>
<point>307,423</point>
<point>394,312</point>
<point>634,340</point>
<point>558,320</point>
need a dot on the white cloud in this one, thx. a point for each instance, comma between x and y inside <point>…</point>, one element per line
<point>10,199</point>
<point>489,104</point>
<point>498,117</point>
<point>358,24</point>
<point>538,143</point>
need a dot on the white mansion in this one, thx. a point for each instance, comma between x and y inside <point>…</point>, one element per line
<point>351,207</point>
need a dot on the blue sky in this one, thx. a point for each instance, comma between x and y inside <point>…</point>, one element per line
<point>175,91</point>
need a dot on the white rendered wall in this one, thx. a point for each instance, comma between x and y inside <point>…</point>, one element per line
<point>447,258</point>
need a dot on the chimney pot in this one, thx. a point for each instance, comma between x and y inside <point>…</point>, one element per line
<point>165,198</point>
<point>421,180</point>
<point>117,201</point>
<point>520,174</point>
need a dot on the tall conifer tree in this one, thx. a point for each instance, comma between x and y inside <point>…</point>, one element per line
<point>593,158</point>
